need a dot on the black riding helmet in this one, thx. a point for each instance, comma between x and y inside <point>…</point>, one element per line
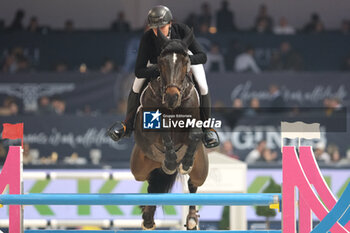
<point>159,16</point>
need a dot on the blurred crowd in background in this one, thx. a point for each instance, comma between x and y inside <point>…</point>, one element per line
<point>239,57</point>
<point>202,21</point>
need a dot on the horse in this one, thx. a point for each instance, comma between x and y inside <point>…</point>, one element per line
<point>158,156</point>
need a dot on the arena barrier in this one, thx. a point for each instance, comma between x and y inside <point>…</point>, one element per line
<point>298,172</point>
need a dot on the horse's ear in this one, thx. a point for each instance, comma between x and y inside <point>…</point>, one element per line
<point>163,39</point>
<point>189,38</point>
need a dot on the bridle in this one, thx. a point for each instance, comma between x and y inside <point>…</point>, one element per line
<point>181,88</point>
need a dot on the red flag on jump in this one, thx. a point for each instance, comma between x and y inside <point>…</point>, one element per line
<point>12,131</point>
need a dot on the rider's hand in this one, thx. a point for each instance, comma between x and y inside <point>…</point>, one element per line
<point>154,68</point>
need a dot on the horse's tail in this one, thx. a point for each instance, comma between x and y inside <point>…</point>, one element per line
<point>160,182</point>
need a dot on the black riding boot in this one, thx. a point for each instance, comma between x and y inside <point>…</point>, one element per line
<point>119,129</point>
<point>211,138</point>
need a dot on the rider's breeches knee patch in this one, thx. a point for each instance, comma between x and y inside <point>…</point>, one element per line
<point>199,75</point>
<point>137,85</point>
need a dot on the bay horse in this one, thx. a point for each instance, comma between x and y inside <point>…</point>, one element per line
<point>158,156</point>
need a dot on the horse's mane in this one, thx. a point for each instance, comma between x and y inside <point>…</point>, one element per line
<point>174,46</point>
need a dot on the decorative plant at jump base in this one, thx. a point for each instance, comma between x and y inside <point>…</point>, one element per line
<point>265,210</point>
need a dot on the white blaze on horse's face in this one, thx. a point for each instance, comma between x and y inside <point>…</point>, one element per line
<point>174,63</point>
<point>174,58</point>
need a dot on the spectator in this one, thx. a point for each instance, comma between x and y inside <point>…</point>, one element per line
<point>9,108</point>
<point>17,23</point>
<point>314,25</point>
<point>256,154</point>
<point>74,159</point>
<point>233,116</point>
<point>120,24</point>
<point>87,111</point>
<point>52,159</point>
<point>108,66</point>
<point>346,160</point>
<point>33,25</point>
<point>225,18</point>
<point>28,158</point>
<point>277,102</point>
<point>237,104</point>
<point>320,154</point>
<point>59,106</point>
<point>254,107</point>
<point>263,22</point>
<point>245,62</point>
<point>227,149</point>
<point>45,106</point>
<point>319,27</point>
<point>204,28</point>
<point>333,107</point>
<point>16,61</point>
<point>215,60</point>
<point>283,28</point>
<point>69,26</point>
<point>345,27</point>
<point>268,156</point>
<point>61,67</point>
<point>333,151</point>
<point>286,59</point>
<point>262,27</point>
<point>205,17</point>
<point>327,107</point>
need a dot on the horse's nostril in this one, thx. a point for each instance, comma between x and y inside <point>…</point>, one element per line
<point>171,99</point>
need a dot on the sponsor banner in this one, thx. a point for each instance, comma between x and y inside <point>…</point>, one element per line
<point>102,92</point>
<point>297,89</point>
<point>67,134</point>
<point>257,180</point>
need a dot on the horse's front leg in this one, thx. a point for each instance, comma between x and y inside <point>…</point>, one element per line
<point>187,161</point>
<point>192,217</point>
<point>148,217</point>
<point>169,164</point>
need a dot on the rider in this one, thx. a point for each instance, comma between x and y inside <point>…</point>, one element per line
<point>146,69</point>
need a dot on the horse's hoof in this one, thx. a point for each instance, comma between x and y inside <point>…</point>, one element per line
<point>183,171</point>
<point>148,229</point>
<point>192,220</point>
<point>168,171</point>
<point>192,224</point>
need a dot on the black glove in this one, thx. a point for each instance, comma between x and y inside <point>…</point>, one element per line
<point>154,70</point>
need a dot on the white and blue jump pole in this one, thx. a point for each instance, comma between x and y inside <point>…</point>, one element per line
<point>236,199</point>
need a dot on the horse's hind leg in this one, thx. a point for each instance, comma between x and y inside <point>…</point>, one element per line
<point>192,217</point>
<point>198,175</point>
<point>158,182</point>
<point>141,168</point>
<point>140,165</point>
